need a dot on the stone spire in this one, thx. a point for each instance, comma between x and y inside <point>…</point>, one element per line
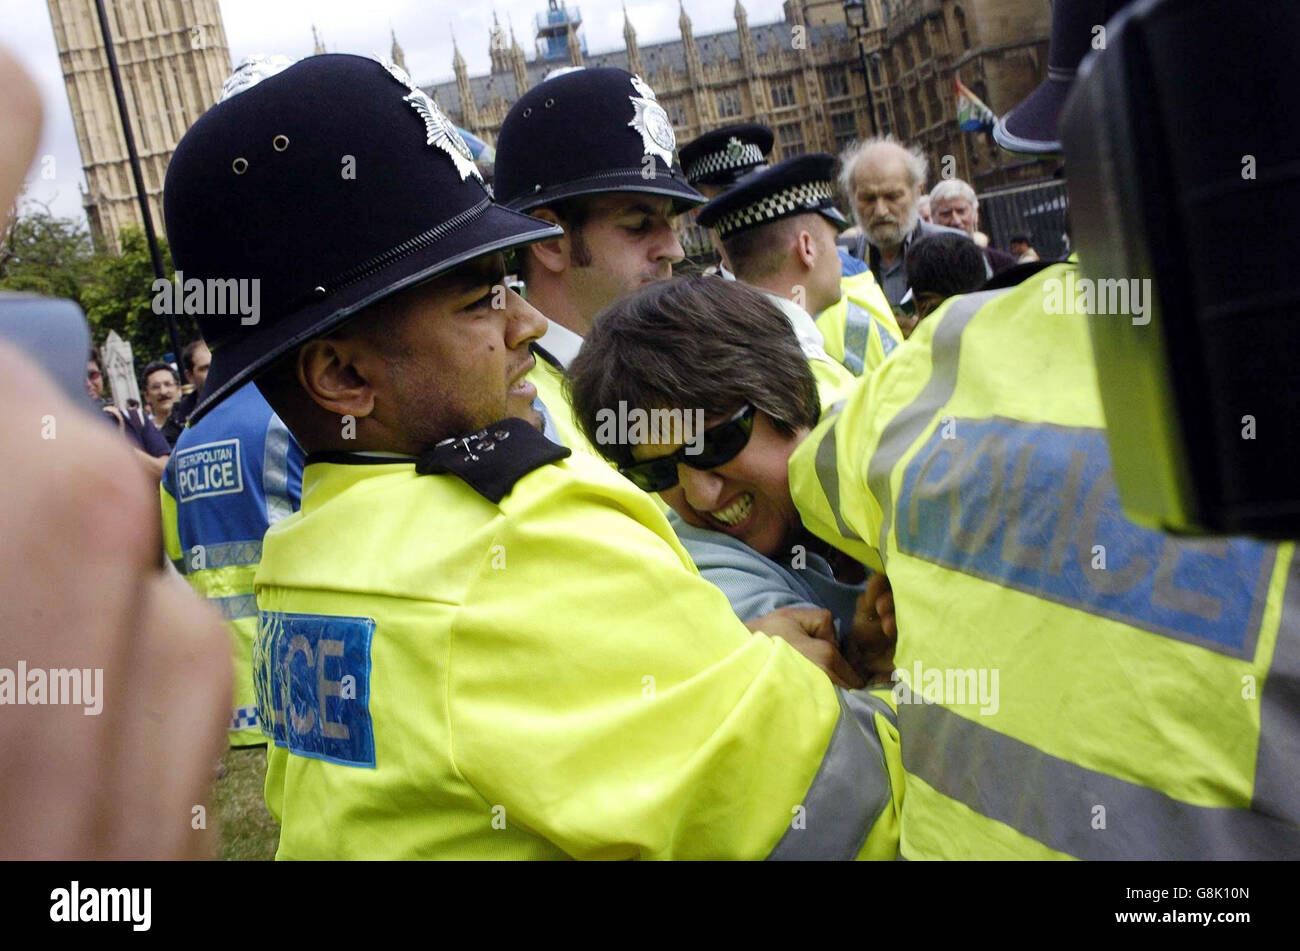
<point>468,108</point>
<point>694,69</point>
<point>317,46</point>
<point>396,54</point>
<point>749,60</point>
<point>497,48</point>
<point>634,63</point>
<point>518,64</point>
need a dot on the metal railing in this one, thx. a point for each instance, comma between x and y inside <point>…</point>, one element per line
<point>1037,209</point>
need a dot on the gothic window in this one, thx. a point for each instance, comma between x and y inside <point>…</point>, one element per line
<point>959,15</point>
<point>918,114</point>
<point>676,110</point>
<point>923,43</point>
<point>907,54</point>
<point>874,65</point>
<point>783,93</point>
<point>728,103</point>
<point>791,138</point>
<point>837,83</point>
<point>882,116</point>
<point>935,103</point>
<point>845,129</point>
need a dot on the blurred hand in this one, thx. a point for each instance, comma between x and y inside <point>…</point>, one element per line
<point>81,587</point>
<point>869,647</point>
<point>810,631</point>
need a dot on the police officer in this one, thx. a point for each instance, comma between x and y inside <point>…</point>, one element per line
<point>229,478</point>
<point>593,151</point>
<point>716,160</point>
<point>1070,684</point>
<point>423,698</point>
<point>778,227</point>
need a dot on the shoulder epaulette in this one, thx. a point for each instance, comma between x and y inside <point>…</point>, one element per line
<point>493,459</point>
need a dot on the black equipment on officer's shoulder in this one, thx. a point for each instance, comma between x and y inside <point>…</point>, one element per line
<point>53,333</point>
<point>1182,143</point>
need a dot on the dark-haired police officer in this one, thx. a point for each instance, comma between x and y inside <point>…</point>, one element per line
<point>594,152</point>
<point>472,643</point>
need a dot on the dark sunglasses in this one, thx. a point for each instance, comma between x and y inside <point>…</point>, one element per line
<point>720,444</point>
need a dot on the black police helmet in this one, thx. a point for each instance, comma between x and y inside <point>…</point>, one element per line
<point>587,131</point>
<point>333,184</point>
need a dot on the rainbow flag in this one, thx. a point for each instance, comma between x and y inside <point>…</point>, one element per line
<point>972,114</point>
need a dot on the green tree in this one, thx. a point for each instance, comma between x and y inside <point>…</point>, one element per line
<point>120,297</point>
<point>44,254</point>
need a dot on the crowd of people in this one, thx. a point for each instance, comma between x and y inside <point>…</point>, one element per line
<point>635,566</point>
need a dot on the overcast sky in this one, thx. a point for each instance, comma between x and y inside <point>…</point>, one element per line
<point>424,29</point>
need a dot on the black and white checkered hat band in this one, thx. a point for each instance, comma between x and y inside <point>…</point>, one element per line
<point>806,196</point>
<point>746,156</point>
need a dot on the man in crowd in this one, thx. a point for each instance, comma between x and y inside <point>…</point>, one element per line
<point>438,536</point>
<point>195,359</point>
<point>885,182</point>
<point>162,388</point>
<point>592,152</point>
<point>151,446</point>
<point>955,205</point>
<point>1022,249</point>
<point>940,267</point>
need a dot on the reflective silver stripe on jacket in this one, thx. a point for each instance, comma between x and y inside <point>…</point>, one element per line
<point>828,473</point>
<point>1055,801</point>
<point>857,333</point>
<point>235,607</point>
<point>850,791</point>
<point>275,470</point>
<point>1277,764</point>
<point>906,428</point>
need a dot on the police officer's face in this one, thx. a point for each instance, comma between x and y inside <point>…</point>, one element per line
<point>747,498</point>
<point>956,213</point>
<point>456,352</point>
<point>630,243</point>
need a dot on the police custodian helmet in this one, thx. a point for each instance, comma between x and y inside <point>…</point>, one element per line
<point>333,184</point>
<point>588,131</point>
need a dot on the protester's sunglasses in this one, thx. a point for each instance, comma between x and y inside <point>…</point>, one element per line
<point>719,445</point>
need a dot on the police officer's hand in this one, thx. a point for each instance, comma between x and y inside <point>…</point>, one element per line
<point>810,631</point>
<point>120,774</point>
<point>870,645</point>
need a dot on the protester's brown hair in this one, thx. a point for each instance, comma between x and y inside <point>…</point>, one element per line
<point>693,343</point>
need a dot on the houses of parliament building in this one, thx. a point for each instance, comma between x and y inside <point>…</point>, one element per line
<point>801,75</point>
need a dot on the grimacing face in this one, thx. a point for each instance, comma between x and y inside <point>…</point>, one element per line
<point>454,362</point>
<point>747,498</point>
<point>958,213</point>
<point>884,197</point>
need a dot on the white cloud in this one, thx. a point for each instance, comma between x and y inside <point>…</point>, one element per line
<point>424,29</point>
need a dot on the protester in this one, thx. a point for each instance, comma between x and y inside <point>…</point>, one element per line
<point>195,359</point>
<point>956,205</point>
<point>1022,249</point>
<point>727,353</point>
<point>152,448</point>
<point>162,388</point>
<point>939,267</point>
<point>885,182</point>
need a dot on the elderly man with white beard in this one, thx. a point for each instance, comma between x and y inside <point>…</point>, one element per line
<point>885,182</point>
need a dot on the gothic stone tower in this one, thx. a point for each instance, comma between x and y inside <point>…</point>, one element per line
<point>173,58</point>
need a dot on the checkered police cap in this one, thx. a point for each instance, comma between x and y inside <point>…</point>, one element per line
<point>797,186</point>
<point>723,156</point>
